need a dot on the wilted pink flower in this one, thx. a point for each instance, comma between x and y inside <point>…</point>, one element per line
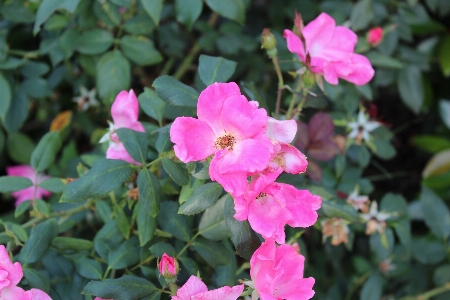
<point>269,206</point>
<point>32,192</point>
<point>168,266</point>
<point>228,127</point>
<point>124,111</point>
<point>375,36</point>
<point>195,289</point>
<point>10,276</point>
<point>328,49</point>
<point>277,273</point>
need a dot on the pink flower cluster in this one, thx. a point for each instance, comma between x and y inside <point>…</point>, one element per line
<point>249,151</point>
<point>10,276</point>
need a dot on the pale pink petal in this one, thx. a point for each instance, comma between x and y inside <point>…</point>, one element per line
<point>223,293</point>
<point>125,109</point>
<point>295,44</point>
<point>210,103</point>
<point>318,64</point>
<point>25,194</point>
<point>302,205</point>
<point>22,171</point>
<point>14,271</point>
<point>318,33</point>
<point>192,287</point>
<point>118,151</point>
<point>241,208</point>
<point>320,126</point>
<point>330,75</point>
<point>15,293</point>
<point>281,130</point>
<point>234,183</point>
<point>295,162</point>
<point>39,295</point>
<point>136,126</point>
<point>343,39</point>
<point>359,72</point>
<point>193,139</point>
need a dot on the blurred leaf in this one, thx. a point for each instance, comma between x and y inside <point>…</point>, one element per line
<point>188,11</point>
<point>154,9</point>
<point>69,243</point>
<point>253,93</point>
<point>362,14</point>
<point>22,207</point>
<point>140,50</point>
<point>174,92</point>
<point>393,203</point>
<point>442,275</point>
<point>40,239</point>
<point>89,268</point>
<point>202,197</point>
<point>45,152</point>
<point>160,248</point>
<point>36,279</point>
<point>435,182</point>
<point>384,149</point>
<point>19,147</point>
<point>54,185</point>
<point>172,222</point>
<point>244,238</point>
<point>124,255</point>
<point>214,253</point>
<point>105,176</point>
<point>17,112</point>
<point>42,207</point>
<point>411,88</point>
<point>379,60</point>
<point>149,191</point>
<point>431,143</point>
<point>10,184</point>
<point>232,9</point>
<point>125,287</point>
<point>428,252</point>
<point>403,231</point>
<point>18,231</point>
<point>34,69</point>
<point>152,105</point>
<point>382,244</point>
<point>36,87</point>
<point>444,111</point>
<point>135,143</point>
<point>176,171</point>
<point>5,97</point>
<point>372,288</point>
<point>339,209</point>
<point>12,63</point>
<point>146,225</point>
<point>212,224</point>
<point>436,214</point>
<point>47,7</point>
<point>95,41</point>
<point>215,69</point>
<point>113,75</point>
<point>438,164</point>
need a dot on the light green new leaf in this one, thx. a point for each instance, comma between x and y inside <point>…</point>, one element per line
<point>231,9</point>
<point>113,75</point>
<point>174,92</point>
<point>215,69</point>
<point>203,197</point>
<point>140,50</point>
<point>45,152</point>
<point>95,41</point>
<point>154,9</point>
<point>40,239</point>
<point>444,58</point>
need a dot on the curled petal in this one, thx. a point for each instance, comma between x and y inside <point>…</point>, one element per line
<point>295,162</point>
<point>234,183</point>
<point>303,206</point>
<point>193,286</point>
<point>295,44</point>
<point>125,109</point>
<point>359,71</point>
<point>118,151</point>
<point>282,131</point>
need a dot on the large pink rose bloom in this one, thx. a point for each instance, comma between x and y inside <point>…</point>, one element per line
<point>330,49</point>
<point>32,192</point>
<point>195,289</point>
<point>228,127</point>
<point>124,112</point>
<point>277,273</point>
<point>10,276</point>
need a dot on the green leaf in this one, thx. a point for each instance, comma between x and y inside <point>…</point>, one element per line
<point>203,197</point>
<point>431,143</point>
<point>17,111</point>
<point>379,60</point>
<point>174,92</point>
<point>54,185</point>
<point>135,143</point>
<point>384,149</point>
<point>214,253</point>
<point>160,248</point>
<point>45,152</point>
<point>125,287</point>
<point>105,176</point>
<point>152,105</point>
<point>411,88</point>
<point>47,7</point>
<point>10,184</point>
<point>149,191</point>
<point>215,69</point>
<point>89,268</point>
<point>428,252</point>
<point>18,231</point>
<point>42,207</point>
<point>172,222</point>
<point>36,87</point>
<point>188,11</point>
<point>125,255</point>
<point>435,213</point>
<point>212,224</point>
<point>444,58</point>
<point>140,50</point>
<point>154,9</point>
<point>442,275</point>
<point>95,41</point>
<point>146,225</point>
<point>19,147</point>
<point>232,9</point>
<point>22,208</point>
<point>5,97</point>
<point>107,239</point>
<point>244,238</point>
<point>382,244</point>
<point>40,239</point>
<point>444,111</point>
<point>34,69</point>
<point>176,171</point>
<point>122,221</point>
<point>36,279</point>
<point>69,243</point>
<point>372,288</point>
<point>113,75</point>
<point>362,14</point>
<point>339,209</point>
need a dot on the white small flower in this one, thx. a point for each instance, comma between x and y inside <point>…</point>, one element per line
<point>376,221</point>
<point>111,135</point>
<point>361,128</point>
<point>86,99</point>
<point>358,202</point>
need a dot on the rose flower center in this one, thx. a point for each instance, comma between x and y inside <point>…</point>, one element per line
<point>224,142</point>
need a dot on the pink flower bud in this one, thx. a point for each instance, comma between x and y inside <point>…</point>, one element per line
<point>168,266</point>
<point>375,36</point>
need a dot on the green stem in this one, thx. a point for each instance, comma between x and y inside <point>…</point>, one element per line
<point>167,66</point>
<point>360,281</point>
<point>280,84</point>
<point>145,261</point>
<point>244,266</point>
<point>24,54</point>
<point>298,88</point>
<point>429,294</point>
<point>187,245</point>
<point>153,162</point>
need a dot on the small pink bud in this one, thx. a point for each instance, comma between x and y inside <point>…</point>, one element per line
<point>168,266</point>
<point>268,41</point>
<point>375,36</point>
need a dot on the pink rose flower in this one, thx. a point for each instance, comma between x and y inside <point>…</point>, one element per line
<point>124,112</point>
<point>10,276</point>
<point>327,49</point>
<point>269,206</point>
<point>277,273</point>
<point>32,192</point>
<point>228,127</point>
<point>168,266</point>
<point>375,36</point>
<point>195,289</point>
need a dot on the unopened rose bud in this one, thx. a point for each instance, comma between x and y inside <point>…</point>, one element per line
<point>269,42</point>
<point>375,36</point>
<point>309,78</point>
<point>298,25</point>
<point>168,267</point>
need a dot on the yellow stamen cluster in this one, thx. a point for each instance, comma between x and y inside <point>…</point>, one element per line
<point>224,142</point>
